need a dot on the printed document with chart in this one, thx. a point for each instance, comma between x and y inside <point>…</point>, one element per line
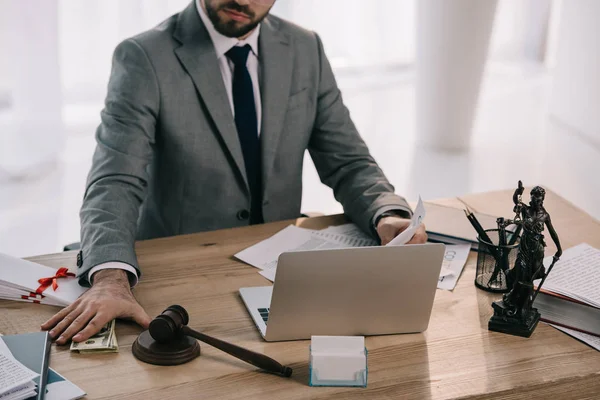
<point>264,255</point>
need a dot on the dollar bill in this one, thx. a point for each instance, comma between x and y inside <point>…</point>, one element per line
<point>104,341</point>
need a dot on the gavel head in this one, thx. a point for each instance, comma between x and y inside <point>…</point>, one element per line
<point>167,325</point>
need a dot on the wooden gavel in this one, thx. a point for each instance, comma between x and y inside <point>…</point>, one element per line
<point>173,323</point>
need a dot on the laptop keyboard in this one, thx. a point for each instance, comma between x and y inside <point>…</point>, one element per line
<point>264,314</point>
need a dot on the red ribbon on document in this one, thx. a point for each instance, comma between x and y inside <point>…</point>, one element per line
<point>46,282</point>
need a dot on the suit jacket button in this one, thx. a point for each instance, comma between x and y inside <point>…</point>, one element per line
<point>243,214</point>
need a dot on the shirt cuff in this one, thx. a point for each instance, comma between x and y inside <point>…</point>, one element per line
<point>402,212</point>
<point>131,272</point>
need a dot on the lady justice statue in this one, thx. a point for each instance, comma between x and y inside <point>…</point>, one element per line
<point>515,314</point>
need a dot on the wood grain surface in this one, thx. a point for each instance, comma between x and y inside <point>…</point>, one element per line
<point>456,357</point>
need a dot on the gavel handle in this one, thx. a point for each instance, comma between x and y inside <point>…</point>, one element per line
<point>256,359</point>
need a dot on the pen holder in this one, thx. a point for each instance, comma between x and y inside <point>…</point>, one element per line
<point>494,261</point>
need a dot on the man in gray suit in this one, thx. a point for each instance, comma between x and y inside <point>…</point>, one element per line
<point>205,126</point>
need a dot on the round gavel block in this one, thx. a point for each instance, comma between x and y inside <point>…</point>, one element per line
<point>180,350</point>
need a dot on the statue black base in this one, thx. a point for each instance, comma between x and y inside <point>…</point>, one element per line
<point>179,350</point>
<point>518,325</point>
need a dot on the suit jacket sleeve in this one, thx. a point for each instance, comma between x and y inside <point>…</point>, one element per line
<point>117,182</point>
<point>343,160</point>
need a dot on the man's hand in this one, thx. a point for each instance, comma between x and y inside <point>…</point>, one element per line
<point>110,297</point>
<point>389,227</point>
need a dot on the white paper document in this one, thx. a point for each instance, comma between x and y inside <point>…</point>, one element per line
<point>15,378</point>
<point>22,392</point>
<point>405,236</point>
<point>576,274</point>
<point>352,240</point>
<point>265,254</point>
<point>455,258</point>
<point>348,230</point>
<point>591,340</point>
<point>269,274</point>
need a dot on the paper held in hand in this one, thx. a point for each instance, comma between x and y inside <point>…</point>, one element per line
<point>19,280</point>
<point>416,220</point>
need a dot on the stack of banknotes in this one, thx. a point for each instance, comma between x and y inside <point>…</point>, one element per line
<point>104,341</point>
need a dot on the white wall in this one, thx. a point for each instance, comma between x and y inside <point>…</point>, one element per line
<point>576,92</point>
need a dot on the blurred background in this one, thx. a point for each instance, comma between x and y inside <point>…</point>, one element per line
<point>452,97</point>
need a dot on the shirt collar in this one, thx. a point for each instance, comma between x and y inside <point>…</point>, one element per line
<point>223,43</point>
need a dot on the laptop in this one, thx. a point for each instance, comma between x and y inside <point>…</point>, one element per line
<point>353,291</point>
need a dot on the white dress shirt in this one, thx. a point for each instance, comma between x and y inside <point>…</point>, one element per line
<point>222,45</point>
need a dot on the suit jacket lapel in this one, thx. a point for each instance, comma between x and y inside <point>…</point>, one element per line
<point>276,63</point>
<point>198,57</point>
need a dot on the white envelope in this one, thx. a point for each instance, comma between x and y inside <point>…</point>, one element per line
<point>24,275</point>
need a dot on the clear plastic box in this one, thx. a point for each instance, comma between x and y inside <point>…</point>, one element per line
<point>338,361</point>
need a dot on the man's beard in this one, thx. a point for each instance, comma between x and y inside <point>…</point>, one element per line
<point>232,28</point>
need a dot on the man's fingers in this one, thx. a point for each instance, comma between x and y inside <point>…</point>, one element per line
<point>66,321</point>
<point>141,317</point>
<point>77,324</point>
<point>93,327</point>
<point>57,317</point>
<point>387,233</point>
<point>420,236</point>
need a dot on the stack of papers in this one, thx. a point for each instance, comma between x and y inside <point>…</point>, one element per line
<point>16,380</point>
<point>19,282</point>
<point>264,255</point>
<point>570,296</point>
<point>20,357</point>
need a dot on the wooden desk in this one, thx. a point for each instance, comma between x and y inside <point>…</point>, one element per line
<point>457,357</point>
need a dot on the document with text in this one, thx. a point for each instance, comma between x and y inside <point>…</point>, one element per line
<point>455,258</point>
<point>576,274</point>
<point>264,255</point>
<point>15,378</point>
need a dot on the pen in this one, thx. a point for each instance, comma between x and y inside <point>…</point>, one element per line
<point>483,236</point>
<point>477,226</point>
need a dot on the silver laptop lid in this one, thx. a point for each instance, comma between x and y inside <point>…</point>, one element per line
<point>354,291</point>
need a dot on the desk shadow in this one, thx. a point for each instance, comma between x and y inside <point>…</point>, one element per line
<point>228,359</point>
<point>398,366</point>
<point>300,374</point>
<point>484,304</point>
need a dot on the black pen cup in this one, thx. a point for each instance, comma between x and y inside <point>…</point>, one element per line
<point>494,261</point>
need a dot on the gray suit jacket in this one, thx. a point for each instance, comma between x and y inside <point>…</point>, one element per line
<point>168,159</point>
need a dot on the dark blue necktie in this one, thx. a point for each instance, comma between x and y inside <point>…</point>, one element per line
<point>246,123</point>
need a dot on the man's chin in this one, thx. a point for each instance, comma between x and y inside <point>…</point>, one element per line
<point>234,29</point>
